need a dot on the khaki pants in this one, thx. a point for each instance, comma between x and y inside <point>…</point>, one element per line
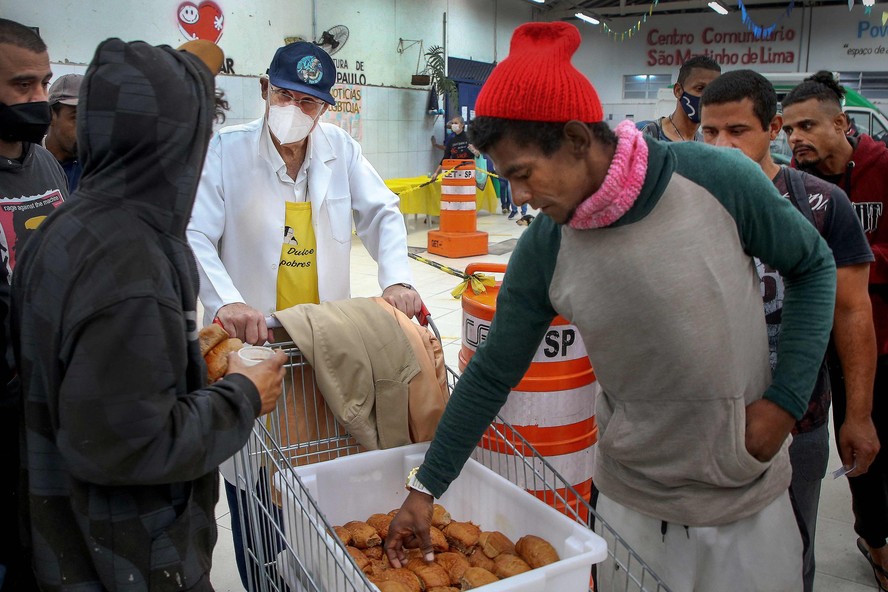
<point>762,553</point>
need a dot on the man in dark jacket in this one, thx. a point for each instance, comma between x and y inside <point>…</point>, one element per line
<point>122,435</point>
<point>815,127</point>
<point>31,185</point>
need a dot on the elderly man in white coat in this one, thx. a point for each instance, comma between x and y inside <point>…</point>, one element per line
<point>272,221</point>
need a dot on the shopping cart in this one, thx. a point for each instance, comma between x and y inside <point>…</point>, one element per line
<point>288,538</point>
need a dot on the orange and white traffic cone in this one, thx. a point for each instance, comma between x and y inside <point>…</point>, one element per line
<point>458,235</point>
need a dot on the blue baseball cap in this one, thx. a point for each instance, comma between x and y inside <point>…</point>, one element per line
<point>304,67</point>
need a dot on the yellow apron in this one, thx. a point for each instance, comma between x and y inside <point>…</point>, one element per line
<point>297,281</point>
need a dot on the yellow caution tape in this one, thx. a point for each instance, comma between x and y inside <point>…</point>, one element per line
<point>478,281</point>
<point>430,181</point>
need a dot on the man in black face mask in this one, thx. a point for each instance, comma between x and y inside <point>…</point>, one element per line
<point>683,124</point>
<point>31,184</point>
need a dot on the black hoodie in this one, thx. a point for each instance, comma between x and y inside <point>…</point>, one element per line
<point>122,436</point>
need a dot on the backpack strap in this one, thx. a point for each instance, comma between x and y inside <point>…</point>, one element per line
<point>798,194</point>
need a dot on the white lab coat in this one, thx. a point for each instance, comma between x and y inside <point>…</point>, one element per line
<point>237,225</point>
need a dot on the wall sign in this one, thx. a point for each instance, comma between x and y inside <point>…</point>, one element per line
<point>201,21</point>
<point>728,48</point>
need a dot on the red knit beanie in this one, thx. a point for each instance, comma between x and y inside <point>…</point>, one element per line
<point>537,82</point>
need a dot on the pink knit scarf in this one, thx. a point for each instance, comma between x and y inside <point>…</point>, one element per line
<point>621,186</point>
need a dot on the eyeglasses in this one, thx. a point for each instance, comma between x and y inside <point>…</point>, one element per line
<point>308,106</point>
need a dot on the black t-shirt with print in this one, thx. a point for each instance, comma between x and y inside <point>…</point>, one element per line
<point>457,146</point>
<point>837,223</point>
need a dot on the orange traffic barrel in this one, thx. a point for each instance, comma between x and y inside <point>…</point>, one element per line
<point>458,235</point>
<point>553,407</point>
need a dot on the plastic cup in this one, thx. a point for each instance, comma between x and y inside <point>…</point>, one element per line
<point>251,355</point>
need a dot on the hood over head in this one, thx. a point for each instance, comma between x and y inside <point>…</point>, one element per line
<point>143,126</point>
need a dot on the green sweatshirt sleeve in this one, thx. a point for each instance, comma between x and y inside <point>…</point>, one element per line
<point>771,229</point>
<point>523,314</point>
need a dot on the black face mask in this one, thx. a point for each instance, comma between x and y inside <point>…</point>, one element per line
<point>25,122</point>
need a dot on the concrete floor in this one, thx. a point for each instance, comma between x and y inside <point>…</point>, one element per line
<point>840,567</point>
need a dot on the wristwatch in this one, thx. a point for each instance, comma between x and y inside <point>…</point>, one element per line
<point>408,286</point>
<point>413,482</point>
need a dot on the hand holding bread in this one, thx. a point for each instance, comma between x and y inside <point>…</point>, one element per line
<point>220,354</point>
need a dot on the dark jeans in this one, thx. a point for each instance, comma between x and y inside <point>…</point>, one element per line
<point>809,456</point>
<point>247,548</point>
<point>869,492</point>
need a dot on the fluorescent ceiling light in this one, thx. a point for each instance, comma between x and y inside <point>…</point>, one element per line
<point>714,5</point>
<point>589,19</point>
<point>539,1</point>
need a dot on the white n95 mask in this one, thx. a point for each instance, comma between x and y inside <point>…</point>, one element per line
<point>289,123</point>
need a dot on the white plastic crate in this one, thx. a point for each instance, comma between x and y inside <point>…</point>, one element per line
<point>354,487</point>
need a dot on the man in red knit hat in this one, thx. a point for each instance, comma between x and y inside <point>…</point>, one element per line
<point>647,248</point>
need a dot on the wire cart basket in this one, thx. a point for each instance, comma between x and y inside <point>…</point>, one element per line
<point>289,545</point>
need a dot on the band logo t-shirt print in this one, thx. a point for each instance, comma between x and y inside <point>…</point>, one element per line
<point>297,281</point>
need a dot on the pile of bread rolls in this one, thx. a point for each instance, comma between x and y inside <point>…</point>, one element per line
<point>215,345</point>
<point>465,556</point>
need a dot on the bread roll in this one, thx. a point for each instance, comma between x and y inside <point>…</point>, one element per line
<point>363,535</point>
<point>439,541</point>
<point>494,543</point>
<point>454,564</point>
<point>431,574</point>
<point>343,534</point>
<point>440,516</point>
<point>508,565</point>
<point>477,558</point>
<point>391,586</point>
<point>462,536</point>
<point>381,523</point>
<point>210,337</point>
<point>402,575</point>
<point>536,551</point>
<point>373,552</point>
<point>377,566</point>
<point>362,561</point>
<point>217,358</point>
<point>475,577</point>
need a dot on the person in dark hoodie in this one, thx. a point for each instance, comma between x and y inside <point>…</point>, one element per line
<point>815,127</point>
<point>122,435</point>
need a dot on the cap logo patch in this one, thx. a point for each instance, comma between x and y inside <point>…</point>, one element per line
<point>309,70</point>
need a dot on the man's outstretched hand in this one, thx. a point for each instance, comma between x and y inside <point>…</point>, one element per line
<point>410,529</point>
